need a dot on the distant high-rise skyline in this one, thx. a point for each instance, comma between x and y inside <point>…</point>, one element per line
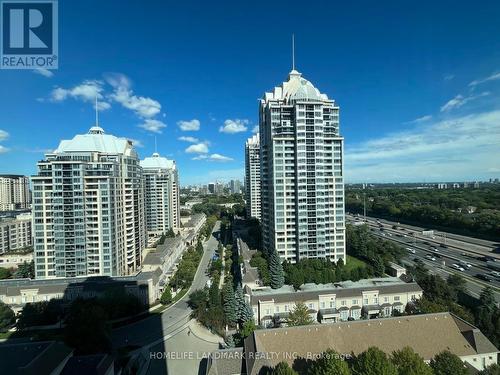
<point>15,192</point>
<point>161,194</point>
<point>302,172</point>
<point>88,208</point>
<point>252,177</point>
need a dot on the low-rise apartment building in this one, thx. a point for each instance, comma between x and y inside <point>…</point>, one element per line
<point>330,303</point>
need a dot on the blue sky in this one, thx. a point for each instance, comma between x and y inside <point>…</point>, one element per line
<point>418,83</point>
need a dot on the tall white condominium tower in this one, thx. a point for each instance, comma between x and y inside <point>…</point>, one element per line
<point>162,194</point>
<point>14,192</point>
<point>252,177</point>
<point>88,208</point>
<point>302,172</point>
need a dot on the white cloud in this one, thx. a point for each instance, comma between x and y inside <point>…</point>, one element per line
<point>198,148</point>
<point>191,125</point>
<point>213,157</point>
<point>87,92</point>
<point>154,126</point>
<point>234,126</point>
<point>143,107</point>
<point>449,77</point>
<point>3,135</point>
<point>493,77</point>
<point>44,72</point>
<point>136,142</point>
<point>189,139</point>
<point>219,157</point>
<point>421,119</point>
<point>460,100</point>
<point>255,129</point>
<point>453,148</point>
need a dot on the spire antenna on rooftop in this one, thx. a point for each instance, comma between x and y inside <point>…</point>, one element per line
<point>156,148</point>
<point>293,51</point>
<point>96,112</point>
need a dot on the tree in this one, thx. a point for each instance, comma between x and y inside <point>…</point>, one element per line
<point>283,368</point>
<point>246,314</point>
<point>248,328</point>
<point>39,313</point>
<point>408,362</point>
<point>118,303</point>
<point>276,270</point>
<point>87,328</point>
<point>457,284</point>
<point>166,296</point>
<point>229,342</point>
<point>213,292</point>
<point>7,316</point>
<point>378,265</point>
<point>25,271</point>
<point>170,233</point>
<point>447,363</point>
<point>373,362</point>
<point>240,301</point>
<point>493,369</point>
<point>229,302</point>
<point>328,363</point>
<point>487,298</point>
<point>299,316</point>
<point>5,273</point>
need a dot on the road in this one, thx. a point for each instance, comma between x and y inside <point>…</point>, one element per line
<point>154,328</point>
<point>438,259</point>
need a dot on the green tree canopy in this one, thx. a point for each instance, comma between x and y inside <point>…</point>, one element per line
<point>283,368</point>
<point>166,296</point>
<point>447,363</point>
<point>229,302</point>
<point>410,363</point>
<point>373,362</point>
<point>5,273</point>
<point>87,328</point>
<point>276,271</point>
<point>299,316</point>
<point>7,316</point>
<point>494,369</point>
<point>330,362</point>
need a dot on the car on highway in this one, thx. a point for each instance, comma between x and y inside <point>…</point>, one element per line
<point>443,245</point>
<point>410,250</point>
<point>495,273</point>
<point>465,264</point>
<point>430,257</point>
<point>454,265</point>
<point>484,277</point>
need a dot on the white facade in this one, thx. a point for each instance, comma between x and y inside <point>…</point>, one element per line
<point>302,172</point>
<point>15,233</point>
<point>162,194</point>
<point>88,208</point>
<point>14,192</point>
<point>252,177</point>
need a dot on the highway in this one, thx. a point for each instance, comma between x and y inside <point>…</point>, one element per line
<point>439,259</point>
<point>152,329</point>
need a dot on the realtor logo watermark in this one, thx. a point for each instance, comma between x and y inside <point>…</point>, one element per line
<point>29,34</point>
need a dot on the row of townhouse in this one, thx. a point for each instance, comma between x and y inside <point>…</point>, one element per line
<point>329,303</point>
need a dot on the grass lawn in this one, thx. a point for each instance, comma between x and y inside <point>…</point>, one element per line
<point>353,263</point>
